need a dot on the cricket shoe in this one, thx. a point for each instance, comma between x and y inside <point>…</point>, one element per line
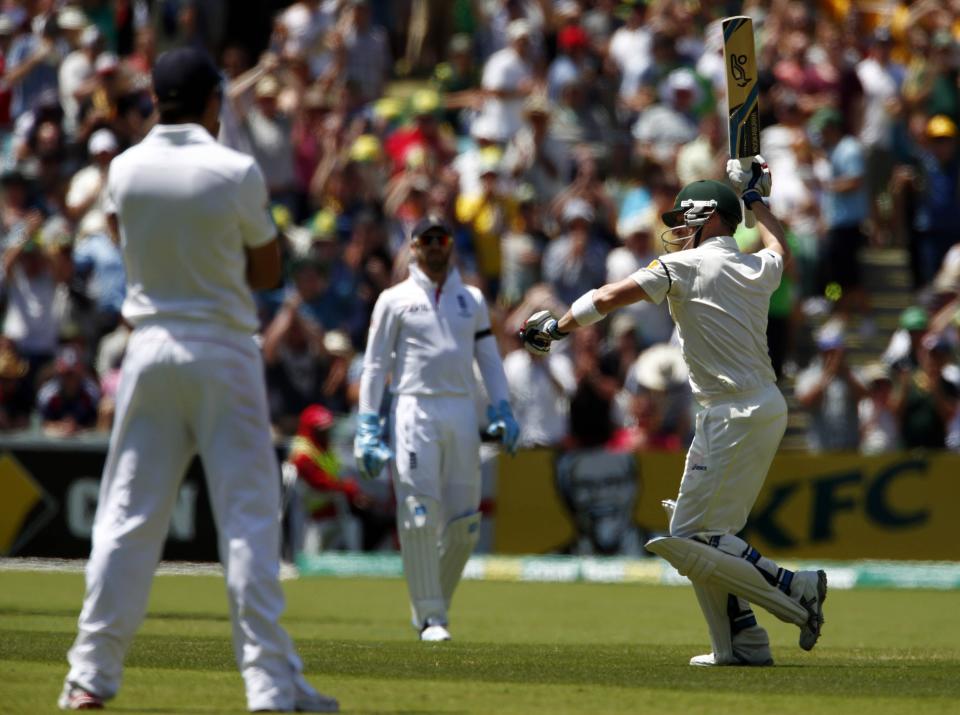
<point>708,660</point>
<point>74,697</point>
<point>812,592</point>
<point>434,632</point>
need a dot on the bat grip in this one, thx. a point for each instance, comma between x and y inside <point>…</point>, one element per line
<point>749,220</point>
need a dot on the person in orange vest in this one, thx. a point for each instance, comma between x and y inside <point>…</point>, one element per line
<point>318,474</point>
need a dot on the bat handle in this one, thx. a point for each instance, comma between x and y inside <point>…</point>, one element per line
<point>749,220</point>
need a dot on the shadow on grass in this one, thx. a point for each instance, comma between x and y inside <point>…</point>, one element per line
<point>222,617</point>
<point>861,673</point>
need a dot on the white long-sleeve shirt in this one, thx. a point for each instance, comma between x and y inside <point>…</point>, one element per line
<point>426,337</point>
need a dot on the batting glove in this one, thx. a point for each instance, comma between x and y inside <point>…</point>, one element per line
<point>539,331</point>
<point>753,179</point>
<point>369,449</point>
<point>504,426</point>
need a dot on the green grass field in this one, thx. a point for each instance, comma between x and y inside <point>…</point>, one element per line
<point>518,648</point>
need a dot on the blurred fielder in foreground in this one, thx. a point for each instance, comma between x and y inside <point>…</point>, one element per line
<point>196,237</point>
<point>425,333</point>
<point>718,298</point>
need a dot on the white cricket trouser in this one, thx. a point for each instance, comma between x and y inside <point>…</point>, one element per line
<point>733,446</point>
<point>437,445</point>
<point>727,463</point>
<point>436,442</point>
<point>186,390</point>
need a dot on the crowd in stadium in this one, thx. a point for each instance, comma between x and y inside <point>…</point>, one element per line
<point>549,135</point>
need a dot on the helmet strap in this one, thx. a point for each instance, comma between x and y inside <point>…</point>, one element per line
<point>698,234</point>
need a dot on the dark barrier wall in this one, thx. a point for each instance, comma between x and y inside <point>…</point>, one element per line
<point>48,497</point>
<point>841,506</point>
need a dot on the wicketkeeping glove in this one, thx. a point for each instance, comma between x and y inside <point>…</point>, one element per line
<point>752,179</point>
<point>539,331</point>
<point>503,425</point>
<point>369,449</point>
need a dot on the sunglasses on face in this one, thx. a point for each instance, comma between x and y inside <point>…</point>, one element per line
<point>434,239</point>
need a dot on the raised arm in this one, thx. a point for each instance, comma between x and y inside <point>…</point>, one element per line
<point>771,232</point>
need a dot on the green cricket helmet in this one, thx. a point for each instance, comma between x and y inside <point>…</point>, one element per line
<point>693,207</point>
<point>697,193</point>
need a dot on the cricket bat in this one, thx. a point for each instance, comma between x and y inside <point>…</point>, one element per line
<point>743,92</point>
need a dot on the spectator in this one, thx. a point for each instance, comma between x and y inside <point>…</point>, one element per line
<point>16,396</point>
<point>580,122</point>
<point>76,71</point>
<point>488,214</point>
<point>84,200</point>
<point>507,80</point>
<point>879,429</point>
<point>666,126</point>
<point>269,133</point>
<point>880,79</point>
<point>535,155</point>
<point>842,176</point>
<point>324,493</point>
<point>334,370</point>
<point>904,349</point>
<point>368,53</point>
<point>37,295</point>
<point>31,67</point>
<point>659,399</point>
<point>933,186</point>
<point>630,45</point>
<point>592,416</point>
<point>7,32</point>
<point>521,249</point>
<point>651,322</point>
<point>830,391</point>
<point>427,133</point>
<point>925,400</point>
<point>292,350</point>
<point>575,262</point>
<point>540,388</point>
<point>573,63</point>
<point>68,401</point>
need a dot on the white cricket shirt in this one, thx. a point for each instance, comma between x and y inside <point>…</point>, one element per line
<point>187,208</point>
<point>427,338</point>
<point>719,299</point>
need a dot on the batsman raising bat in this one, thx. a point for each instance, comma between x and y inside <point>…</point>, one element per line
<point>718,297</point>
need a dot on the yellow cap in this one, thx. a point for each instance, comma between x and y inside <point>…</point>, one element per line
<point>323,224</point>
<point>941,126</point>
<point>281,216</point>
<point>388,108</point>
<point>366,147</point>
<point>424,101</point>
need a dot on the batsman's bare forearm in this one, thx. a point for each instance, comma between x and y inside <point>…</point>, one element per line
<point>607,298</point>
<point>771,232</point>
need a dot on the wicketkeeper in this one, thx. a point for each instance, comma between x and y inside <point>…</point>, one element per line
<point>426,333</point>
<point>718,297</point>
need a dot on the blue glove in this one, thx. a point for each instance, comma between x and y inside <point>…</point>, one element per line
<point>369,449</point>
<point>504,426</point>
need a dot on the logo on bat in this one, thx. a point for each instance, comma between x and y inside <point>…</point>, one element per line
<point>736,69</point>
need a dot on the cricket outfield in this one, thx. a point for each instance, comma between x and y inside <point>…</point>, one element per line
<point>518,648</point>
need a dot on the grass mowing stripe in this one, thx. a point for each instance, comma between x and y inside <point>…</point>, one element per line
<point>880,674</point>
<point>518,648</point>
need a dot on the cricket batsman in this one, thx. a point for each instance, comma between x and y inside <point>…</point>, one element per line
<point>718,297</point>
<point>425,334</point>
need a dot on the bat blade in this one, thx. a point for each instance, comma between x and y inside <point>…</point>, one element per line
<point>743,92</point>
